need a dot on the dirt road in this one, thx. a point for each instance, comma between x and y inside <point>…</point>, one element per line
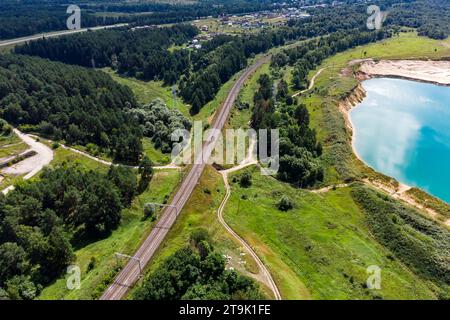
<point>30,166</point>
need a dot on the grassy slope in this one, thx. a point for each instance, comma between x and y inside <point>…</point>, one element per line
<point>319,250</point>
<point>62,156</point>
<point>281,240</point>
<point>240,118</point>
<point>10,145</point>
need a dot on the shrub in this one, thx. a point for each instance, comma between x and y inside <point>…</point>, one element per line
<point>91,264</point>
<point>245,180</point>
<point>199,235</point>
<point>149,210</point>
<point>285,204</point>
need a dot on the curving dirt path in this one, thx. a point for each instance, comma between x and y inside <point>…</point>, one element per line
<point>264,274</point>
<point>108,163</point>
<point>311,85</point>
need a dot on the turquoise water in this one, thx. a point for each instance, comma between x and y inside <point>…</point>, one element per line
<point>402,129</point>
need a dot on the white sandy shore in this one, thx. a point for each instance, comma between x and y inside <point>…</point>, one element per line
<point>437,72</point>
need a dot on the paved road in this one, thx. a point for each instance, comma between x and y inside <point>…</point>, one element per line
<point>55,34</point>
<point>131,272</point>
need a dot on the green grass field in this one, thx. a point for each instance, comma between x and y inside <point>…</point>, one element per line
<point>146,92</point>
<point>240,118</point>
<point>125,239</point>
<point>321,248</point>
<point>11,145</point>
<point>156,155</point>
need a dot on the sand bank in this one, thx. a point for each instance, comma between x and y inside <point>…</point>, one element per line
<point>437,72</point>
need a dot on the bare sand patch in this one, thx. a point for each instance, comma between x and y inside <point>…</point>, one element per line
<point>437,72</point>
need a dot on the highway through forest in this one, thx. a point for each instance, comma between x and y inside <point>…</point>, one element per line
<point>11,42</point>
<point>133,268</point>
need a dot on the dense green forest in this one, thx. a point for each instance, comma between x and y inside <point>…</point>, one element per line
<point>71,103</point>
<point>197,272</point>
<point>28,21</point>
<point>430,17</point>
<point>42,221</point>
<point>141,53</point>
<point>299,148</point>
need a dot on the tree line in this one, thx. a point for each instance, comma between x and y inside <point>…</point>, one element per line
<point>19,19</point>
<point>141,53</point>
<point>197,272</point>
<point>69,103</point>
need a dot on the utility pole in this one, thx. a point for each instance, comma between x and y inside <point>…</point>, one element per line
<point>121,255</point>
<point>164,206</point>
<point>174,93</point>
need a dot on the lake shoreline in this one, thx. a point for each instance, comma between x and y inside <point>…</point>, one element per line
<point>356,96</point>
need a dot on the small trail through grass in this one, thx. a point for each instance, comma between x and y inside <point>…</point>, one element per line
<point>311,85</point>
<point>264,274</point>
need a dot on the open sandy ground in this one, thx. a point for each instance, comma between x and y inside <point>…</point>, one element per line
<point>437,72</point>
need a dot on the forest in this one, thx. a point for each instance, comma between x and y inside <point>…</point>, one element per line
<point>41,222</point>
<point>74,104</point>
<point>141,53</point>
<point>299,148</point>
<point>197,272</point>
<point>430,17</point>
